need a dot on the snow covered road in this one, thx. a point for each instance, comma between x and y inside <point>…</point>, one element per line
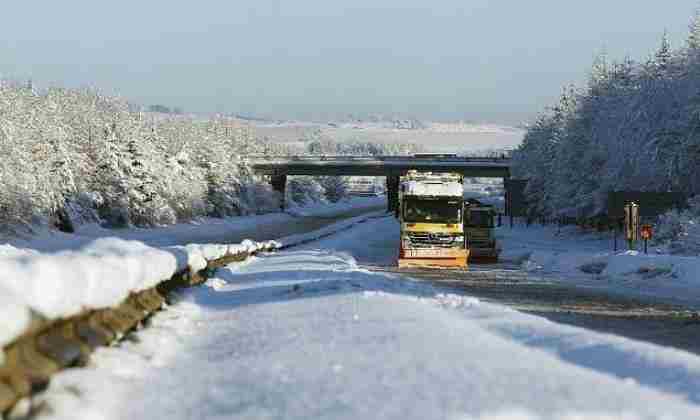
<point>311,334</point>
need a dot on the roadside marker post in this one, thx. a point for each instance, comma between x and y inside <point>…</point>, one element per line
<point>631,224</point>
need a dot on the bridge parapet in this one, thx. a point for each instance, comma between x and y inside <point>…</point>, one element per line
<point>391,167</point>
<point>487,167</point>
<point>380,158</point>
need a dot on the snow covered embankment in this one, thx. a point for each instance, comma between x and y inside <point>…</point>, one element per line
<point>104,273</point>
<point>57,308</point>
<point>572,257</point>
<point>100,275</point>
<point>40,288</point>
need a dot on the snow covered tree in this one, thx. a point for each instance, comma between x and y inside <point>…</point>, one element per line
<point>694,35</point>
<point>335,187</point>
<point>303,190</point>
<point>634,127</point>
<point>659,65</point>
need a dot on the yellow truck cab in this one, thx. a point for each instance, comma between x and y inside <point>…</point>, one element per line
<point>431,213</point>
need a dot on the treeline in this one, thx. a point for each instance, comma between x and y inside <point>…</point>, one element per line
<point>316,143</point>
<point>635,126</point>
<point>71,156</point>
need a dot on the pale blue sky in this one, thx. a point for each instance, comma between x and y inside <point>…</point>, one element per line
<point>489,60</point>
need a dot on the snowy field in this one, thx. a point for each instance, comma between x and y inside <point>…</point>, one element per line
<point>309,333</point>
<point>477,138</point>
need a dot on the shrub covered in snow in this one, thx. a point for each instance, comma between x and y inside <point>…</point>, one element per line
<point>680,232</point>
<point>633,127</point>
<point>593,267</point>
<point>335,187</point>
<point>302,190</point>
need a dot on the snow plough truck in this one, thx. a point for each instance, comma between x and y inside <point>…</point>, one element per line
<point>479,231</point>
<point>431,214</point>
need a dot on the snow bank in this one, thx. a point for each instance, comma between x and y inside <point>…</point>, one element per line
<point>587,259</point>
<point>104,272</point>
<point>662,275</point>
<point>99,275</point>
<point>198,255</point>
<point>15,317</point>
<point>628,272</point>
<point>557,261</point>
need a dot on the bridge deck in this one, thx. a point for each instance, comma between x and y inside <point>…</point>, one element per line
<point>379,165</point>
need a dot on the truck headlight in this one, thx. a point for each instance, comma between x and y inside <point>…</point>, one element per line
<point>458,239</point>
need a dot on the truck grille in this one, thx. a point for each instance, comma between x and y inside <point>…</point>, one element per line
<point>431,240</point>
<point>479,238</point>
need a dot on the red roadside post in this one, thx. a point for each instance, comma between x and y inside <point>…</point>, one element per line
<point>647,232</point>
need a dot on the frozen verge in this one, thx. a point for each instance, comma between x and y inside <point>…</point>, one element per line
<point>588,260</point>
<point>71,290</point>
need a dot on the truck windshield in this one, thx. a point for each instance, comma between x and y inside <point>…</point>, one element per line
<point>480,218</point>
<point>433,211</point>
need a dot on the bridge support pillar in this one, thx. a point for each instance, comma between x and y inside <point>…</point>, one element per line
<point>279,184</point>
<point>392,194</point>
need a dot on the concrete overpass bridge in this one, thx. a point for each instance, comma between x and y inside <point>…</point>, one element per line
<point>391,167</point>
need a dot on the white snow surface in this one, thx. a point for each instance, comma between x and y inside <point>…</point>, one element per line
<point>588,259</point>
<point>302,238</point>
<point>99,275</point>
<point>311,334</point>
<point>15,317</point>
<point>80,275</point>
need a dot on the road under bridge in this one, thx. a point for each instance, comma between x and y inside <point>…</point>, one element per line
<point>391,167</point>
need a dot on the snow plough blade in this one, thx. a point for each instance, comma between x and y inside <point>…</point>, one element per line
<point>455,260</point>
<point>484,260</point>
<point>483,256</point>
